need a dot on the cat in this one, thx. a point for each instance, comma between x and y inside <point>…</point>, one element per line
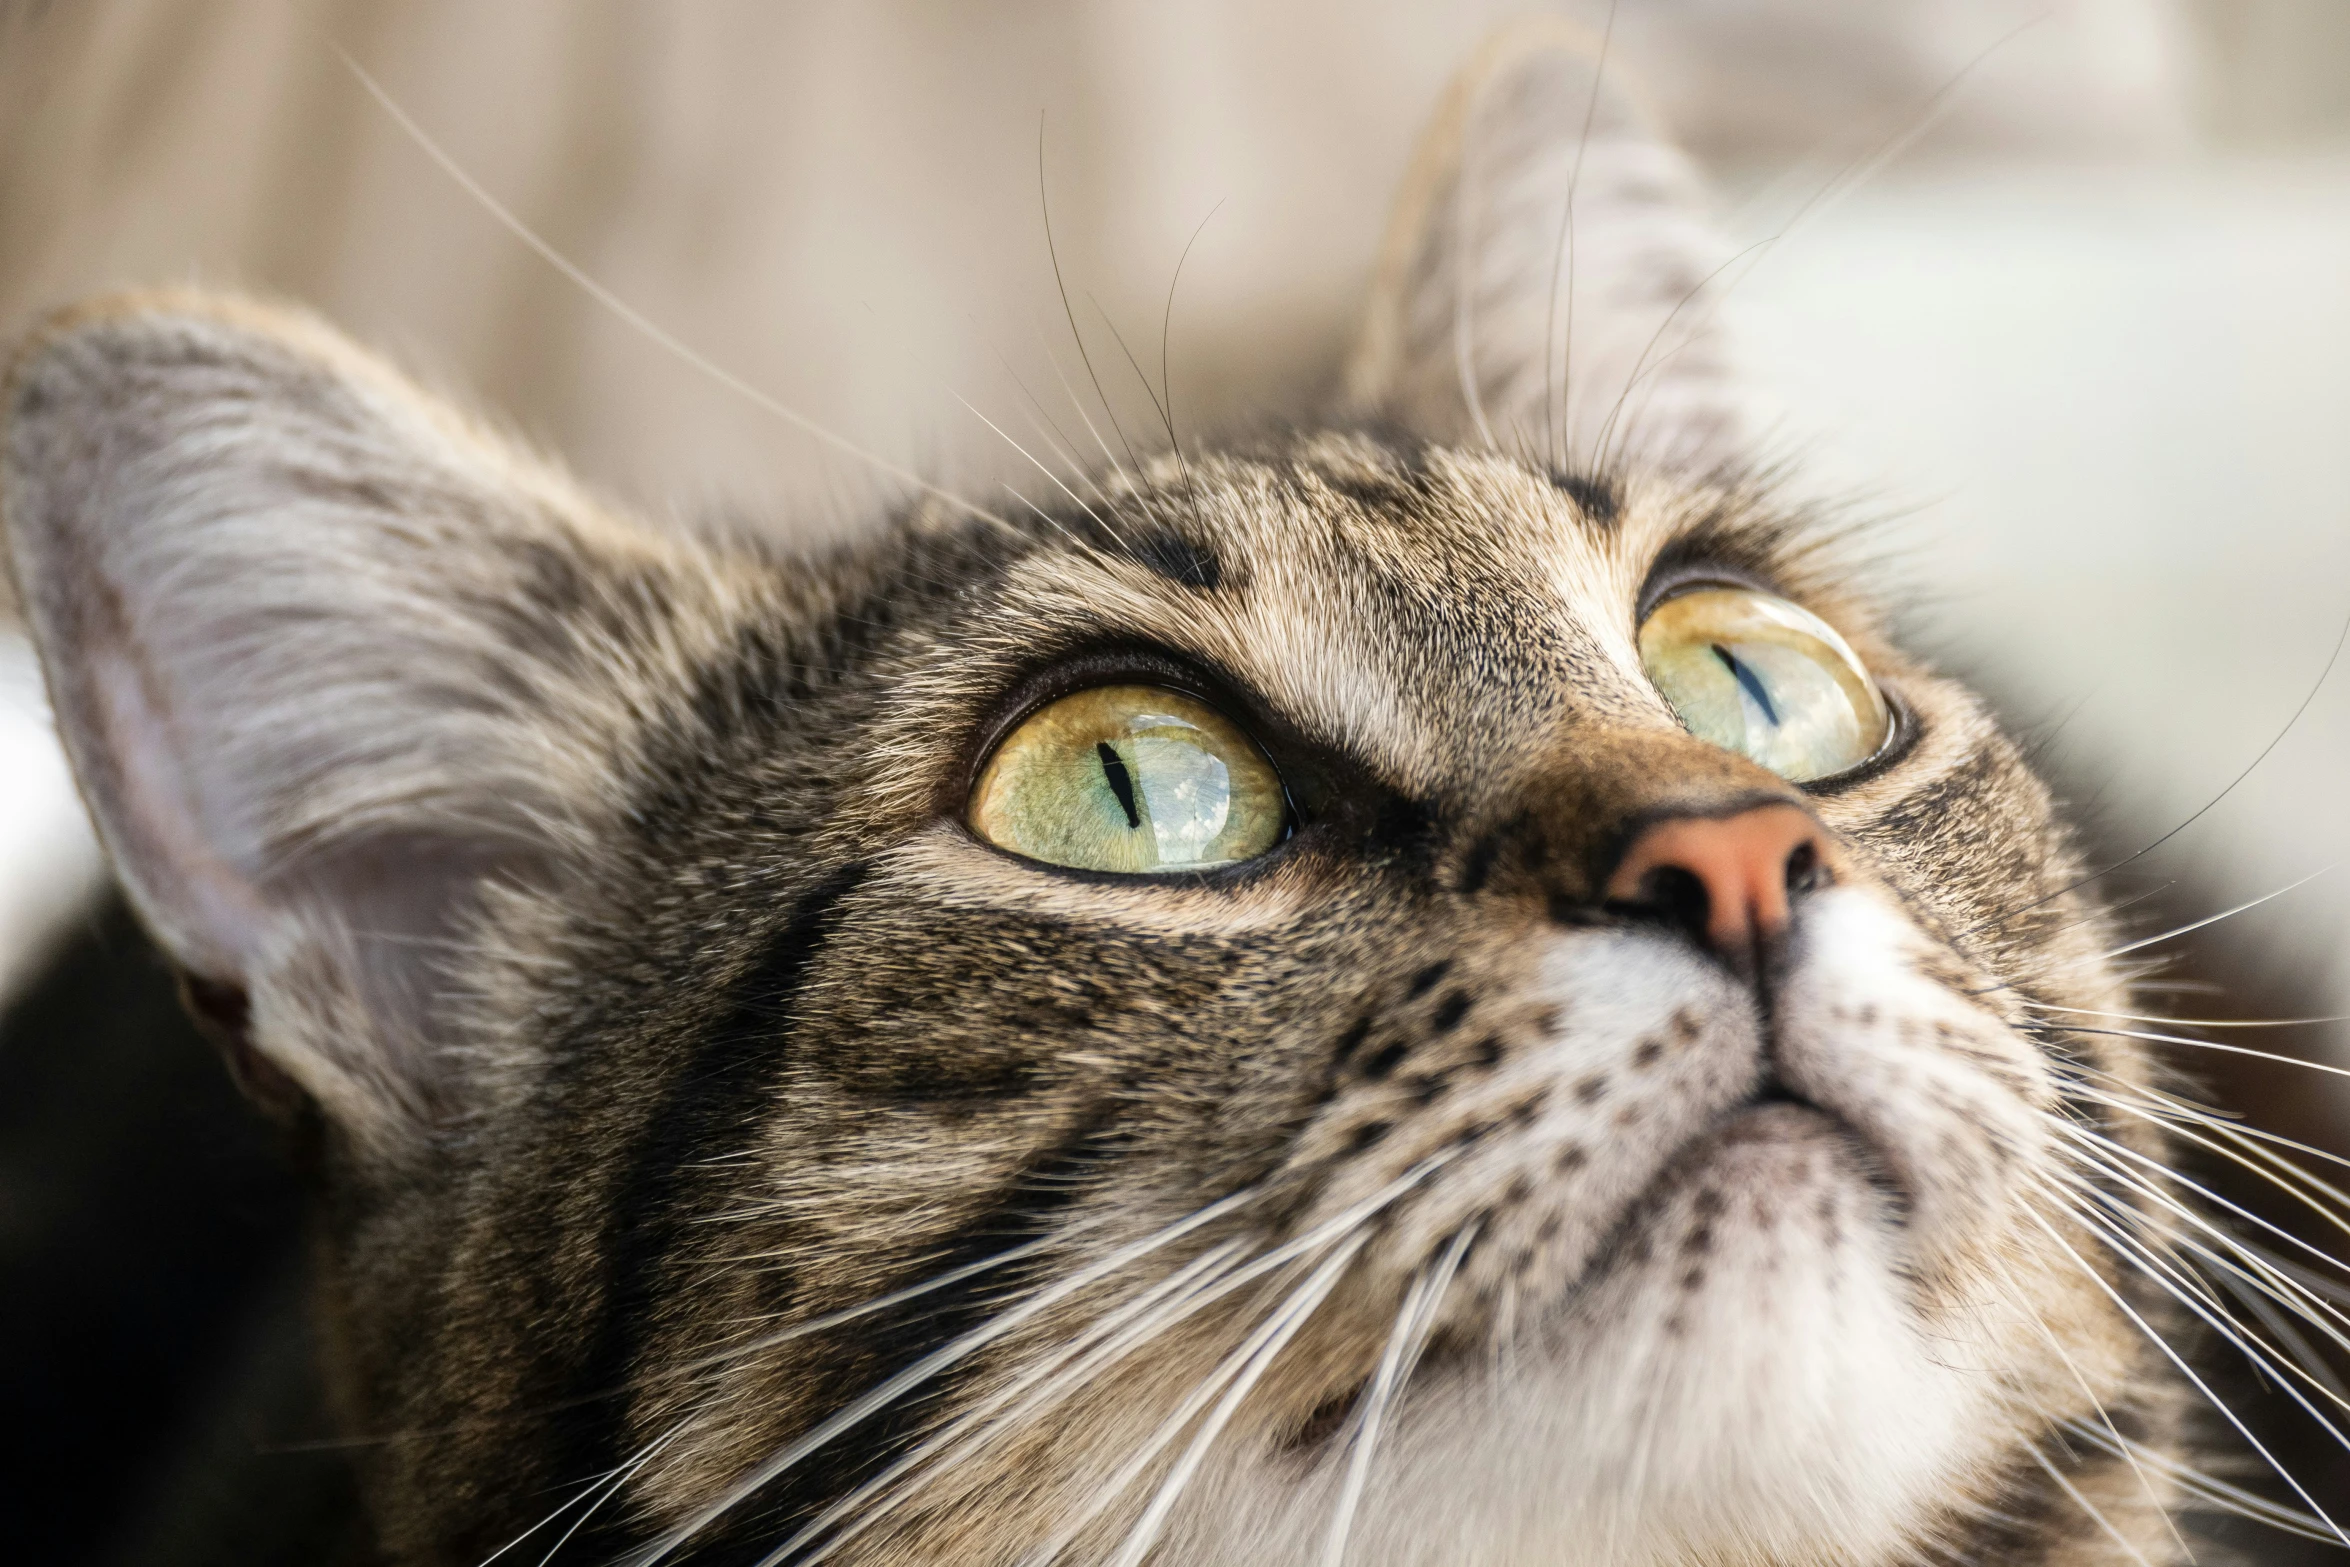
<point>1426,988</point>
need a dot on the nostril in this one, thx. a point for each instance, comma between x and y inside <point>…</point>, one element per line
<point>1729,881</point>
<point>1677,897</point>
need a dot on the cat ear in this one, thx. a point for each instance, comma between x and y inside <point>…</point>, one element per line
<point>329,662</point>
<point>1503,315</point>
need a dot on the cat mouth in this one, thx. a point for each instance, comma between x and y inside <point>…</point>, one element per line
<point>1773,1115</point>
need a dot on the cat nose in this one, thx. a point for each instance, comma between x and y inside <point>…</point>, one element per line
<point>1729,881</point>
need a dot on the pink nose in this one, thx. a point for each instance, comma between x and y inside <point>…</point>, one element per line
<point>1728,878</point>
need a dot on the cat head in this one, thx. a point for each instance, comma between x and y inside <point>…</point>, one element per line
<point>1431,989</point>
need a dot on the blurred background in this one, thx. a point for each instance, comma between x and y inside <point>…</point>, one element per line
<point>2060,289</point>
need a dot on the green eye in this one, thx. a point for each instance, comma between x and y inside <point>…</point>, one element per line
<point>1757,675</point>
<point>1129,778</point>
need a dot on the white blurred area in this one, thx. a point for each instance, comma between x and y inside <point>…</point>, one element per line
<point>2068,285</point>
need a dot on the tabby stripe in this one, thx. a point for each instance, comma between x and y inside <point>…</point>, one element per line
<point>709,1108</point>
<point>876,1348</point>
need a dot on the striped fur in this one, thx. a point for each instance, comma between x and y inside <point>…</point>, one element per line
<point>684,1075</point>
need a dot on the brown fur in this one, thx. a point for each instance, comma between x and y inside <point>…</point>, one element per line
<point>605,893</point>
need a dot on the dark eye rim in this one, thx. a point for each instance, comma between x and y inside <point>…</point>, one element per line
<point>1902,727</point>
<point>1136,665</point>
<point>1670,581</point>
<point>1902,730</point>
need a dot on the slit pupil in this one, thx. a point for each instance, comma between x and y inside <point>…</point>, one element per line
<point>1121,781</point>
<point>1748,681</point>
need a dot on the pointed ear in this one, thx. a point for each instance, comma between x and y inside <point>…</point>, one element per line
<point>329,662</point>
<point>1542,284</point>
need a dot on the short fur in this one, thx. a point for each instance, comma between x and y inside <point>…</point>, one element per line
<point>726,1157</point>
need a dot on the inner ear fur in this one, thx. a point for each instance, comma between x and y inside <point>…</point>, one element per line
<point>1497,319</point>
<point>331,662</point>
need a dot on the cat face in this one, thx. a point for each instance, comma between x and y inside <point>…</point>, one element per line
<point>1501,1114</point>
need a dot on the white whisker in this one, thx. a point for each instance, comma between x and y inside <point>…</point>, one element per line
<point>2179,1362</point>
<point>2088,1507</point>
<point>1266,1347</point>
<point>637,319</point>
<point>1413,1320</point>
<point>973,1428</point>
<point>929,1366</point>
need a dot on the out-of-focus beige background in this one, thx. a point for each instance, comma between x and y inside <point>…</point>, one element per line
<point>2063,287</point>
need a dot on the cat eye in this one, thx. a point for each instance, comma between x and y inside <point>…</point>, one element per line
<point>1129,778</point>
<point>1765,678</point>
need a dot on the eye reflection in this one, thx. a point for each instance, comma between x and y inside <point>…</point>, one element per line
<point>1129,778</point>
<point>1755,674</point>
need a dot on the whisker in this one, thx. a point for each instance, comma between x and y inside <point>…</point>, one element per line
<point>2104,1416</point>
<point>1049,431</point>
<point>2214,1492</point>
<point>598,1488</point>
<point>2342,638</point>
<point>1405,1340</point>
<point>1166,331</point>
<point>1053,251</point>
<point>2226,1326</point>
<point>2172,1355</point>
<point>2211,1044</point>
<point>2208,1195</point>
<point>834,1319</point>
<point>2189,1022</point>
<point>929,1366</point>
<point>1305,1245</point>
<point>972,1429</point>
<point>1555,431</point>
<point>2200,1287</point>
<point>1058,482</point>
<point>637,319</point>
<point>1266,1347</point>
<point>1133,481</point>
<point>2088,1507</point>
<point>611,1489</point>
<point>2224,914</point>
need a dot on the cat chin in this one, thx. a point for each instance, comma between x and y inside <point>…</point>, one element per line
<point>1749,1381</point>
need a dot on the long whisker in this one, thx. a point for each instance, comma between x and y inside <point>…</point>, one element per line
<point>1049,431</point>
<point>1555,430</point>
<point>2189,1022</point>
<point>2228,1329</point>
<point>2185,1370</point>
<point>1271,1340</point>
<point>1166,333</point>
<point>2211,1044</point>
<point>2090,1508</point>
<point>1305,1245</point>
<point>637,319</point>
<point>2167,1270</point>
<point>1053,251</point>
<point>2104,1416</point>
<point>1058,482</point>
<point>2214,1492</point>
<point>1102,1344</point>
<point>1133,481</point>
<point>1854,174</point>
<point>2333,658</point>
<point>1405,1340</point>
<point>2100,959</point>
<point>612,1488</point>
<point>593,1494</point>
<point>841,1318</point>
<point>2213,919</point>
<point>929,1366</point>
<point>2178,1130</point>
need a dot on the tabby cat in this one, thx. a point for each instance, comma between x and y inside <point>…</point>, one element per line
<point>1425,989</point>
